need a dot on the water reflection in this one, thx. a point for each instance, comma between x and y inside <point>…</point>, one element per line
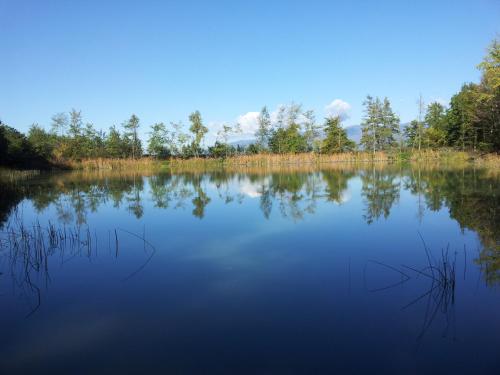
<point>380,191</point>
<point>471,196</point>
<point>236,268</point>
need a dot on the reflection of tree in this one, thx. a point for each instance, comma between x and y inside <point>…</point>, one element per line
<point>10,196</point>
<point>134,198</point>
<point>473,200</point>
<point>266,201</point>
<point>159,185</point>
<point>201,199</point>
<point>380,192</point>
<point>295,194</point>
<point>336,185</point>
<point>472,197</point>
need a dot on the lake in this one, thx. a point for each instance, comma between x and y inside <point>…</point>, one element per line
<point>374,269</point>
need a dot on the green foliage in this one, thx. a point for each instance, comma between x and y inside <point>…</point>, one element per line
<point>336,139</point>
<point>311,130</point>
<point>264,130</point>
<point>380,125</point>
<point>390,127</point>
<point>158,138</point>
<point>130,136</point>
<point>411,133</point>
<point>59,123</point>
<point>488,108</point>
<point>287,136</point>
<point>17,151</point>
<point>3,143</point>
<point>198,130</point>
<point>253,149</point>
<point>461,118</point>
<point>221,150</point>
<point>287,140</point>
<point>435,119</point>
<point>114,145</point>
<point>43,143</point>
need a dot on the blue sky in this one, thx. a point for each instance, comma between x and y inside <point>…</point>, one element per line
<point>162,60</point>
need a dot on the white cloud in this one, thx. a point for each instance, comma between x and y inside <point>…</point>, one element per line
<point>249,123</point>
<point>338,108</point>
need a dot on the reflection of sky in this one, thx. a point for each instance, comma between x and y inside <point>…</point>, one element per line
<point>234,275</point>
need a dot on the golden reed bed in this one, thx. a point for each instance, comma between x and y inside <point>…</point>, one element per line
<point>286,161</point>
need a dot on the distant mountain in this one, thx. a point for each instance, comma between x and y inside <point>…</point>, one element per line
<point>354,132</point>
<point>242,142</point>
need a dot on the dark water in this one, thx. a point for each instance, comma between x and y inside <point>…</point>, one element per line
<point>290,272</point>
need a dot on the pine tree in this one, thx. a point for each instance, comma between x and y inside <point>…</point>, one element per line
<point>114,145</point>
<point>370,124</point>
<point>131,126</point>
<point>198,130</point>
<point>263,131</point>
<point>336,139</point>
<point>389,126</point>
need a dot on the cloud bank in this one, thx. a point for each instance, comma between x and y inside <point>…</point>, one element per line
<point>338,107</point>
<point>249,123</point>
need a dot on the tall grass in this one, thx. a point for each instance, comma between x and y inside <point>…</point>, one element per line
<point>268,160</point>
<point>128,164</point>
<point>12,175</point>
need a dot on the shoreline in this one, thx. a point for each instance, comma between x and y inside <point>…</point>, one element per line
<point>272,161</point>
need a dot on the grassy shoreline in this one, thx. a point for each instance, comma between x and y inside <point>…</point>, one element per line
<point>270,160</point>
<point>276,161</point>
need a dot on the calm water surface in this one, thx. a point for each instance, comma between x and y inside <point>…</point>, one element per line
<point>252,272</point>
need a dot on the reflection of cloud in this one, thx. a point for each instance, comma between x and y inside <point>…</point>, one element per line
<point>250,189</point>
<point>345,197</point>
<point>338,108</point>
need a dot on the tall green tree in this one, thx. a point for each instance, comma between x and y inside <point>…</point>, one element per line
<point>389,129</point>
<point>488,108</point>
<point>275,143</point>
<point>311,130</point>
<point>287,140</point>
<point>75,123</point>
<point>380,125</point>
<point>157,143</point>
<point>77,143</point>
<point>411,133</point>
<point>59,123</point>
<point>336,139</point>
<point>264,128</point>
<point>371,124</point>
<point>131,127</point>
<point>92,142</point>
<point>3,144</point>
<point>461,118</point>
<point>198,130</point>
<point>41,141</point>
<point>114,144</point>
<point>435,119</point>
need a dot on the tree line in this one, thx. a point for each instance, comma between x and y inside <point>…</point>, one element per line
<point>471,121</point>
